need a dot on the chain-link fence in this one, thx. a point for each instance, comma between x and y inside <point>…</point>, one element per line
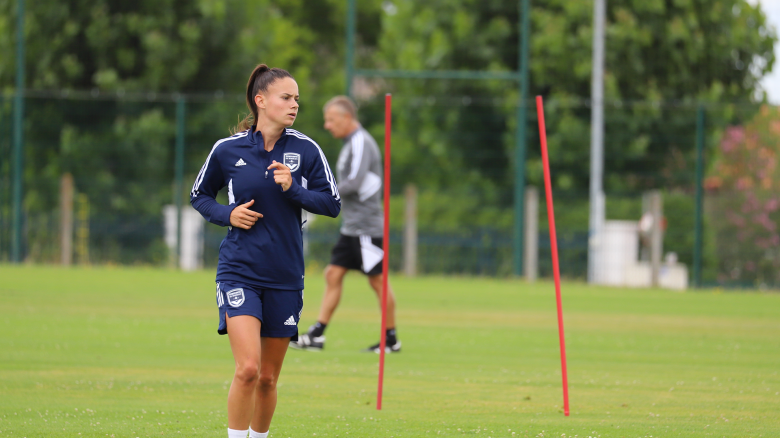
<point>457,151</point>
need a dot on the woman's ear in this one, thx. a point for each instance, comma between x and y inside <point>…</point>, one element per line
<point>260,100</point>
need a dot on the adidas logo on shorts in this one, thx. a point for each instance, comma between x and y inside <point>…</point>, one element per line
<point>290,321</point>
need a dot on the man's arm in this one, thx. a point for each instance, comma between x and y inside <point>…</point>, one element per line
<point>357,166</point>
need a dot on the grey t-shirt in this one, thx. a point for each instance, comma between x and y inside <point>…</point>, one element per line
<point>359,176</point>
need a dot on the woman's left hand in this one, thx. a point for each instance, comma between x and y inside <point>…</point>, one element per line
<point>282,175</point>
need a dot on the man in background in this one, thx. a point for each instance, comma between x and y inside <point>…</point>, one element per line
<point>359,176</point>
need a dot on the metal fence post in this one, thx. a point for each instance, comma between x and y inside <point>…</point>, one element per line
<point>656,235</point>
<point>698,231</point>
<point>4,179</point>
<point>410,231</point>
<point>520,137</point>
<point>179,171</point>
<point>597,214</point>
<point>350,55</point>
<point>82,232</point>
<point>531,259</point>
<point>16,236</point>
<point>66,219</point>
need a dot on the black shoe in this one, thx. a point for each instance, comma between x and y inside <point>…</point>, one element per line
<point>389,348</point>
<point>306,342</point>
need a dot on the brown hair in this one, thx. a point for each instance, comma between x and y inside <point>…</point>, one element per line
<point>261,78</point>
<point>344,103</point>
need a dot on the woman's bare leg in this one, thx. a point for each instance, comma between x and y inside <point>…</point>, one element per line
<point>271,358</point>
<point>244,334</point>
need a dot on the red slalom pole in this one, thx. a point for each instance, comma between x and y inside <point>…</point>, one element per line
<point>386,248</point>
<point>554,247</point>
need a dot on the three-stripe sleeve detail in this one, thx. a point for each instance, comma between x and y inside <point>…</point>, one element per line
<point>357,154</point>
<point>202,173</point>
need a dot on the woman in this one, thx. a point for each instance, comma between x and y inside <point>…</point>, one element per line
<point>272,173</point>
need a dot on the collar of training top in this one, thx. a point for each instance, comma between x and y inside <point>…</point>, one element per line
<point>349,136</point>
<point>256,137</point>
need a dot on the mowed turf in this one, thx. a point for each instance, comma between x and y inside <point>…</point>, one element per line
<point>133,352</point>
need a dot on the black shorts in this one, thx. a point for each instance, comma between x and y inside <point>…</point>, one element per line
<point>358,252</point>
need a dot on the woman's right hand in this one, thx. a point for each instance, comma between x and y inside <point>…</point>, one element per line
<point>243,217</point>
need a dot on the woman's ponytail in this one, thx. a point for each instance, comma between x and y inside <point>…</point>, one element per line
<point>260,79</point>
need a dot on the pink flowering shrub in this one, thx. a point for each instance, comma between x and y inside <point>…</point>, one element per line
<point>743,201</point>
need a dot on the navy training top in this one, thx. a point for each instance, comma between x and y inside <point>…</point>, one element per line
<point>270,253</point>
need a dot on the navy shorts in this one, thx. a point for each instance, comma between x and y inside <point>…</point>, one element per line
<point>278,310</point>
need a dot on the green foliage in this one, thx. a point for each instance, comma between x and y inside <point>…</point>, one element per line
<point>656,52</point>
<point>120,147</point>
<point>453,139</point>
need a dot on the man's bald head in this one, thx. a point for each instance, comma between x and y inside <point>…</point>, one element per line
<point>340,115</point>
<point>343,104</point>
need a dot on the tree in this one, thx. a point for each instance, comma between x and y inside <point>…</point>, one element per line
<point>662,57</point>
<point>453,138</point>
<point>131,57</point>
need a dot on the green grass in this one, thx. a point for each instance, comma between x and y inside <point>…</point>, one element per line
<point>133,352</point>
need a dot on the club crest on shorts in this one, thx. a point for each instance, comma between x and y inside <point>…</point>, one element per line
<point>292,160</point>
<point>235,297</point>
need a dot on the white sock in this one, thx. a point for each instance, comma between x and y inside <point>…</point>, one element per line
<point>253,434</point>
<point>232,433</point>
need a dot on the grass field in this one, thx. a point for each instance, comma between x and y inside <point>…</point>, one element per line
<point>133,352</point>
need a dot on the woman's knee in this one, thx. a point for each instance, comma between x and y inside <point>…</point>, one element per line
<point>247,373</point>
<point>266,382</point>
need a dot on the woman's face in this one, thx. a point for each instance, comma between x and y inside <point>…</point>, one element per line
<point>279,103</point>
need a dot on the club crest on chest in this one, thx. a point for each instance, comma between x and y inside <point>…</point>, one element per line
<point>292,160</point>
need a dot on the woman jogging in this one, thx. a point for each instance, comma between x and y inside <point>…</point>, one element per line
<point>272,173</point>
